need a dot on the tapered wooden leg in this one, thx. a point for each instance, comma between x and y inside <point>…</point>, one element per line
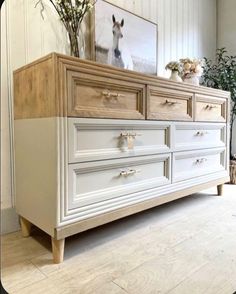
<point>220,190</point>
<point>25,227</point>
<point>58,250</point>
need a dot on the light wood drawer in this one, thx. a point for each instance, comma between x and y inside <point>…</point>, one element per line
<point>91,183</point>
<point>98,139</point>
<point>210,109</point>
<point>166,104</point>
<point>188,136</point>
<point>97,96</point>
<point>187,165</point>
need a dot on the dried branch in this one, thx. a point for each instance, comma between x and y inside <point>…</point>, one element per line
<point>71,15</point>
<point>42,7</point>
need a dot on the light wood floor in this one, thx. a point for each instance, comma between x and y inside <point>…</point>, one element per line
<point>187,246</point>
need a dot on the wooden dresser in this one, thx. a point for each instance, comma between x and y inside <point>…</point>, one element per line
<point>94,143</point>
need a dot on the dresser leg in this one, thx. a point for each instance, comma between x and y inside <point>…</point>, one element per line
<point>58,250</point>
<point>25,227</point>
<point>220,190</point>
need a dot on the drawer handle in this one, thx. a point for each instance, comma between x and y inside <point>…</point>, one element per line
<point>108,94</point>
<point>201,133</point>
<point>130,138</point>
<point>129,172</point>
<point>133,135</point>
<point>172,102</point>
<point>201,160</point>
<point>210,106</point>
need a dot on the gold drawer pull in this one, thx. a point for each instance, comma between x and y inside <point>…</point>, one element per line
<point>199,133</point>
<point>130,138</point>
<point>210,106</point>
<point>201,160</point>
<point>108,94</point>
<point>133,135</point>
<point>172,102</point>
<point>129,172</point>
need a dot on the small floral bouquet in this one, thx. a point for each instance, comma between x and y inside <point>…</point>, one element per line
<point>174,66</point>
<point>191,67</point>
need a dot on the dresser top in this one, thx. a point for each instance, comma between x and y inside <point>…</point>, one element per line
<point>73,63</point>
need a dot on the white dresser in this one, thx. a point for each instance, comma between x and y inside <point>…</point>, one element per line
<point>94,143</point>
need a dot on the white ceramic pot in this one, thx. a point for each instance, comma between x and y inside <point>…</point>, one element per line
<point>192,79</point>
<point>175,76</point>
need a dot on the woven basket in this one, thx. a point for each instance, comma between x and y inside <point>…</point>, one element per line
<point>232,169</point>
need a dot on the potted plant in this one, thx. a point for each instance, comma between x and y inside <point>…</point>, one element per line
<point>221,74</point>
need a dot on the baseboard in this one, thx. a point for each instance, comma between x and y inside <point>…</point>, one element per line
<point>9,221</point>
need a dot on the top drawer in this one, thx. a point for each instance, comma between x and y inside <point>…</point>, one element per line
<point>92,95</point>
<point>210,109</point>
<point>166,104</point>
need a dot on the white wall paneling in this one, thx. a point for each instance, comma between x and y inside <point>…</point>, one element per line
<point>185,28</point>
<point>6,176</point>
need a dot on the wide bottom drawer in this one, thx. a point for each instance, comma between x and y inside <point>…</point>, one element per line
<point>187,165</point>
<point>96,182</point>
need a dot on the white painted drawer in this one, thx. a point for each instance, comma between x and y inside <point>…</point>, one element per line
<point>91,183</point>
<point>98,139</point>
<point>199,135</point>
<point>193,164</point>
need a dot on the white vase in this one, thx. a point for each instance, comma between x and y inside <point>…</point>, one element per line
<point>175,76</point>
<point>192,79</point>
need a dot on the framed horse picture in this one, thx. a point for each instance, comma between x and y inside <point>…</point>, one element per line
<point>123,39</point>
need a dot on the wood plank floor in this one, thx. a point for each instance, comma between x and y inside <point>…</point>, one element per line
<point>187,246</point>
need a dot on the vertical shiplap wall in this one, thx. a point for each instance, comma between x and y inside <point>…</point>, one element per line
<point>185,28</point>
<point>5,121</point>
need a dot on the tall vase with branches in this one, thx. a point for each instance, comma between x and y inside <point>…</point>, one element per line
<point>71,14</point>
<point>221,74</point>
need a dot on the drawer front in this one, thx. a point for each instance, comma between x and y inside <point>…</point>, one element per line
<point>210,109</point>
<point>187,165</point>
<point>90,95</point>
<point>199,135</point>
<point>91,183</point>
<point>169,104</point>
<point>98,139</point>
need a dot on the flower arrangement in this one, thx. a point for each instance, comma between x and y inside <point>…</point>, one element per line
<point>174,66</point>
<point>191,67</point>
<point>71,13</point>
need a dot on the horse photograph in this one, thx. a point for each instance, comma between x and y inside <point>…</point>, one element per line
<point>124,40</point>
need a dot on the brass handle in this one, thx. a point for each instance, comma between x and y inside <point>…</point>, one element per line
<point>210,106</point>
<point>133,135</point>
<point>172,102</point>
<point>199,133</point>
<point>129,172</point>
<point>108,94</point>
<point>201,160</point>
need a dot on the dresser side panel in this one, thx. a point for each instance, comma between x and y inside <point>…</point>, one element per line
<point>34,90</point>
<point>36,171</point>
